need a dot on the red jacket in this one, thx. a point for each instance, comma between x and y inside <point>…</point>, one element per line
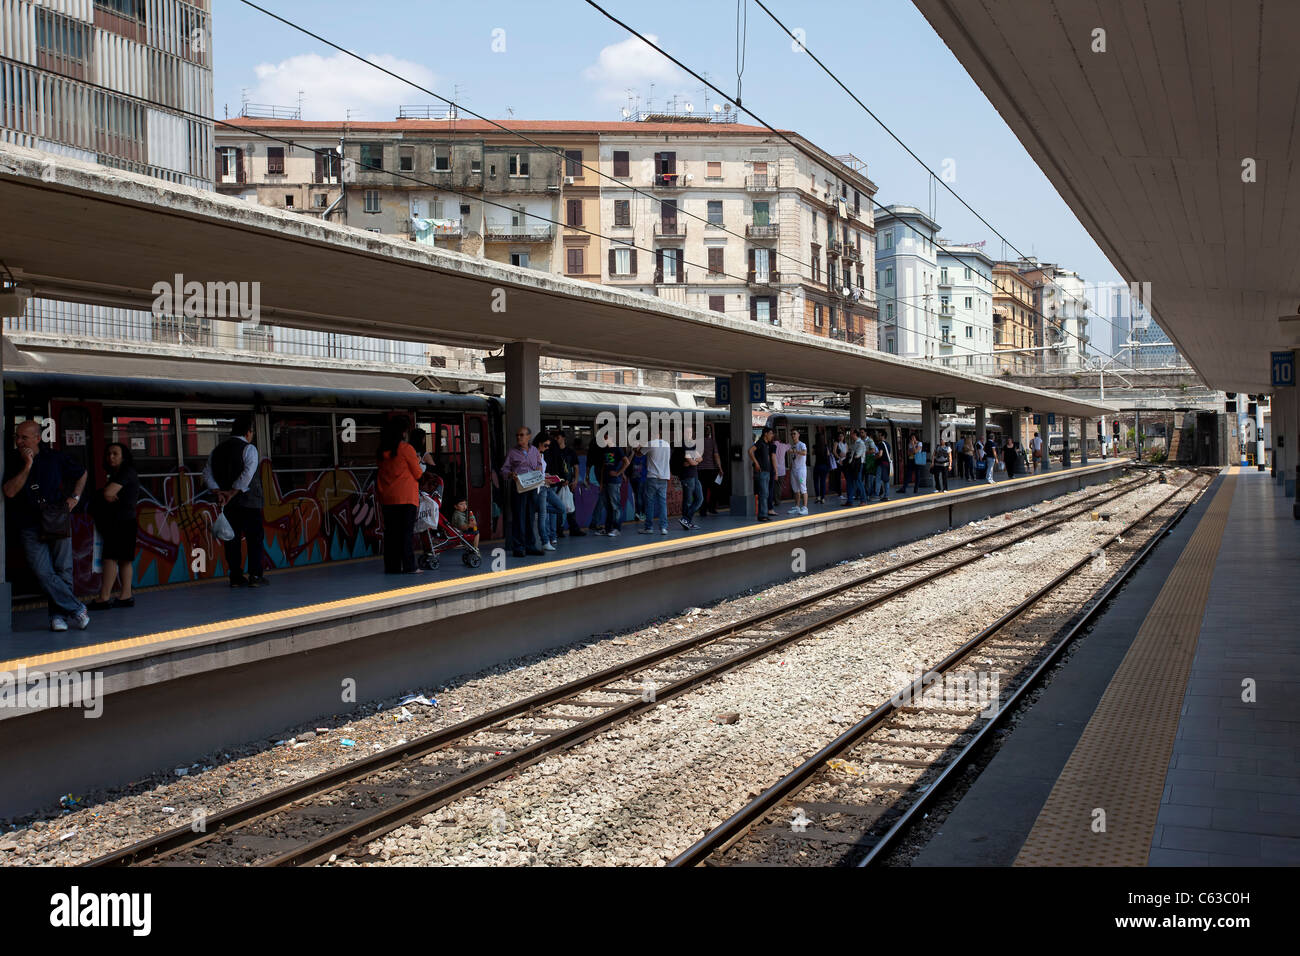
<point>398,481</point>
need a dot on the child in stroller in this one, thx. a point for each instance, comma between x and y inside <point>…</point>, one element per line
<point>439,534</point>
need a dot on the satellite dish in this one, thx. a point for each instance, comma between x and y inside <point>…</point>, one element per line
<point>625,113</point>
<point>690,108</point>
<point>847,292</point>
<point>717,108</point>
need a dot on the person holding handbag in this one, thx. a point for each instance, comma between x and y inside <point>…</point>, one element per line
<point>38,504</point>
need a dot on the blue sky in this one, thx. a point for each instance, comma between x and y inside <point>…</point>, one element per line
<point>563,60</point>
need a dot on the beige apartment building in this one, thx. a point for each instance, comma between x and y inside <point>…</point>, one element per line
<point>718,216</point>
<point>1014,317</point>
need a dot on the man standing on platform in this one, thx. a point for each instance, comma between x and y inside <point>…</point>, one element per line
<point>40,503</point>
<point>657,456</point>
<point>1036,452</point>
<point>232,473</point>
<point>760,459</point>
<point>521,459</point>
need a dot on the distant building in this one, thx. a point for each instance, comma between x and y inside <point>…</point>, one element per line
<point>965,292</point>
<point>718,216</point>
<point>907,272</point>
<point>1014,318</point>
<point>1061,308</point>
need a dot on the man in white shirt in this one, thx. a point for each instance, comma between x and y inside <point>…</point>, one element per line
<point>657,456</point>
<point>798,473</point>
<point>1036,450</point>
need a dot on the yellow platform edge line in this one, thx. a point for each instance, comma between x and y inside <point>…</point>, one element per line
<point>286,615</point>
<point>1119,764</point>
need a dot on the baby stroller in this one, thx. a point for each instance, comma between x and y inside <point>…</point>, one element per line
<point>438,534</point>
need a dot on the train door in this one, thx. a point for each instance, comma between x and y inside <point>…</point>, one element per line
<point>79,431</point>
<point>447,442</point>
<point>478,470</point>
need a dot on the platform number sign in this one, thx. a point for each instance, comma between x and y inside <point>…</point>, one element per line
<point>1283,369</point>
<point>722,391</point>
<point>1038,419</point>
<point>757,387</point>
<point>1051,418</point>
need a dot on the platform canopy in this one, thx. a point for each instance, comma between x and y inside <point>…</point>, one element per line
<point>86,233</point>
<point>1174,145</point>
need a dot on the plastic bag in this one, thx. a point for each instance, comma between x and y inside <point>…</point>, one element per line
<point>222,529</point>
<point>566,498</point>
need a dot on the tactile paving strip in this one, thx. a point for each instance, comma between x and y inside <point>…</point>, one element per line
<point>1118,766</point>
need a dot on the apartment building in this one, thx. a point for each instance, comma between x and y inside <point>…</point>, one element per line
<point>1061,307</point>
<point>154,57</point>
<point>907,272</point>
<point>1014,318</point>
<point>965,296</point>
<point>717,216</point>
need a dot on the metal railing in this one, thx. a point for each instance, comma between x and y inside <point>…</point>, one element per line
<point>678,279</point>
<point>497,233</point>
<point>670,229</point>
<point>763,183</point>
<point>766,231</point>
<point>770,278</point>
<point>676,180</point>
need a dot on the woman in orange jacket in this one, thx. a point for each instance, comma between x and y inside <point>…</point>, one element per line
<point>398,486</point>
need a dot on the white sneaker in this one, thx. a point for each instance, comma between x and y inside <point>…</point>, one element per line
<point>82,620</point>
<point>58,624</point>
<point>548,547</point>
<point>663,530</point>
<point>615,533</point>
<point>803,511</point>
<point>793,511</point>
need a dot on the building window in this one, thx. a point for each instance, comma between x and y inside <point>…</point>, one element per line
<point>970,332</point>
<point>288,201</point>
<point>761,310</point>
<point>519,259</point>
<point>835,319</point>
<point>573,215</point>
<point>718,303</point>
<point>715,260</point>
<point>713,170</point>
<point>891,346</point>
<point>372,200</point>
<point>275,160</point>
<point>464,209</point>
<point>321,200</point>
<point>229,163</point>
<point>573,163</point>
<point>968,272</point>
<point>943,276</point>
<point>715,212</point>
<point>816,263</point>
<point>622,212</point>
<point>575,262</point>
<point>889,276</point>
<point>890,312</point>
<point>405,159</point>
<point>476,166</point>
<point>519,164</point>
<point>622,262</point>
<point>372,156</point>
<point>817,315</point>
<point>761,213</point>
<point>968,301</point>
<point>621,163</point>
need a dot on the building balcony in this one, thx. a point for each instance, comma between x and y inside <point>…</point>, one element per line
<point>852,252</point>
<point>769,231</point>
<point>944,281</point>
<point>762,184</point>
<point>678,278</point>
<point>852,338</point>
<point>495,233</point>
<point>672,229</point>
<point>668,182</point>
<point>835,247</point>
<point>766,279</point>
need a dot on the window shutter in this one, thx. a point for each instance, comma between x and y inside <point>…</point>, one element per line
<point>752,273</point>
<point>320,167</point>
<point>632,261</point>
<point>753,309</point>
<point>715,261</point>
<point>239,165</point>
<point>659,265</point>
<point>612,269</point>
<point>620,163</point>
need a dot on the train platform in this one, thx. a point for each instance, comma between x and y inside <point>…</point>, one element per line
<point>1172,735</point>
<point>235,665</point>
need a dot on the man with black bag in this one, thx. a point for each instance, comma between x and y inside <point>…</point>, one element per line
<point>232,473</point>
<point>40,508</point>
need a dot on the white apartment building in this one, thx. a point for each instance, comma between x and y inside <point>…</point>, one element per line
<point>907,274</point>
<point>1065,318</point>
<point>965,293</point>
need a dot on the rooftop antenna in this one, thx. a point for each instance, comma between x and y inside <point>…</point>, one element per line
<point>455,96</point>
<point>243,101</point>
<point>301,94</point>
<point>650,100</point>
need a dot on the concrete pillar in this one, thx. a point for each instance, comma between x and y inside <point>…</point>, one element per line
<point>1259,434</point>
<point>1281,449</point>
<point>1292,400</point>
<point>1065,441</point>
<point>858,407</point>
<point>523,388</point>
<point>742,436</point>
<point>1083,440</point>
<point>6,595</point>
<point>980,424</point>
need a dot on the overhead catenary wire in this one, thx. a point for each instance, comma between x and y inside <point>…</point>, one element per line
<point>937,180</point>
<point>681,65</point>
<point>600,173</point>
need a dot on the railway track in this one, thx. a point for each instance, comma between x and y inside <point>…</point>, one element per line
<point>340,811</point>
<point>848,803</point>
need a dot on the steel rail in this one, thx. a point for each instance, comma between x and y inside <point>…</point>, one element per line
<point>219,825</point>
<point>738,825</point>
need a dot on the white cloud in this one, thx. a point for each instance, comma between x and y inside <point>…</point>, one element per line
<point>633,64</point>
<point>333,85</point>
